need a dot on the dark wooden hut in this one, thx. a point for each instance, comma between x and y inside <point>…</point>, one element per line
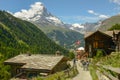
<point>99,40</point>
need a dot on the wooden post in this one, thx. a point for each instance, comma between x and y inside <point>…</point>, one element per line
<point>119,76</point>
<point>68,72</point>
<point>13,70</point>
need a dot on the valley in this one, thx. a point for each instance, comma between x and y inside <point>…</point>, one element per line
<point>35,44</point>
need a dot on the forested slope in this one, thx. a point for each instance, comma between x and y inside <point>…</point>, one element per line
<point>18,36</point>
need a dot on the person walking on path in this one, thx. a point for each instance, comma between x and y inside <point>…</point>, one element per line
<point>83,75</point>
<point>86,65</point>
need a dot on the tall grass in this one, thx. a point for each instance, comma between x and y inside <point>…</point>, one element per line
<point>113,60</point>
<point>93,69</point>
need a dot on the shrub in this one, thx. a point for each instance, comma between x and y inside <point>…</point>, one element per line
<point>99,53</point>
<point>71,55</point>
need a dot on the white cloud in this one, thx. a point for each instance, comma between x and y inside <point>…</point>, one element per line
<point>116,1</point>
<point>36,8</point>
<point>83,19</point>
<point>92,12</point>
<point>101,16</point>
<point>37,5</point>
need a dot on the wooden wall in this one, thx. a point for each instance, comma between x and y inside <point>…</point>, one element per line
<point>98,40</point>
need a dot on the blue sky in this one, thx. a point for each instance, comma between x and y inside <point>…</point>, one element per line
<point>69,11</point>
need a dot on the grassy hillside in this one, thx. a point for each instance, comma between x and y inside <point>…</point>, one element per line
<point>18,36</point>
<point>108,23</point>
<point>112,60</point>
<point>49,28</point>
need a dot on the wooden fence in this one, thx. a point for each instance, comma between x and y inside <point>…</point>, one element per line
<point>110,68</point>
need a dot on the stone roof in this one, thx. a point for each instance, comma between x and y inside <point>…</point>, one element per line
<point>116,31</point>
<point>35,61</point>
<point>109,33</point>
<point>88,34</point>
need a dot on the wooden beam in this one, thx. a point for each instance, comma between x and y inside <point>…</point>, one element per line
<point>117,70</point>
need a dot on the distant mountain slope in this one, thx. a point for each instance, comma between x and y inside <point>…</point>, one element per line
<point>62,36</point>
<point>52,26</point>
<point>88,27</point>
<point>66,38</point>
<point>24,36</point>
<point>103,25</point>
<point>108,23</point>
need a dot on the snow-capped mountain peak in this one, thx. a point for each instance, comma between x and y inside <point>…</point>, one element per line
<point>36,9</point>
<point>38,13</point>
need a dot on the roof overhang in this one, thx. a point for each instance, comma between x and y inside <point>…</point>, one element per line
<point>88,34</point>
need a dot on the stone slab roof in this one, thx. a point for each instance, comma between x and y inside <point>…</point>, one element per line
<point>116,31</point>
<point>35,61</point>
<point>109,33</point>
<point>87,34</point>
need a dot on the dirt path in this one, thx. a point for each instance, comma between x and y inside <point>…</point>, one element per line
<point>83,75</point>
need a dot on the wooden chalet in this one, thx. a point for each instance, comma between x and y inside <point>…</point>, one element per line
<point>26,66</point>
<point>101,40</point>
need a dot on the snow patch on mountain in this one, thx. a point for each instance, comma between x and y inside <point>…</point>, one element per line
<point>53,19</point>
<point>77,25</point>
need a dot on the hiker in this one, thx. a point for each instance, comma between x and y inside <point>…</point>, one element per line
<point>74,62</point>
<point>84,64</point>
<point>87,65</point>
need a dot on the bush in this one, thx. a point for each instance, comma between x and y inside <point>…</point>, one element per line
<point>99,53</point>
<point>71,55</point>
<point>115,27</point>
